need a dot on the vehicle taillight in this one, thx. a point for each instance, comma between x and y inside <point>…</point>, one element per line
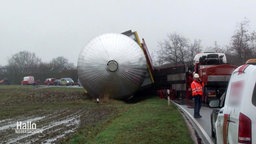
<point>244,130</point>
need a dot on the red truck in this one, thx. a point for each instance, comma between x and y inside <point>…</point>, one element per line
<point>212,69</point>
<point>214,72</point>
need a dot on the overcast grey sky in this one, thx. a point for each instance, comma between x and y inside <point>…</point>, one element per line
<point>52,28</point>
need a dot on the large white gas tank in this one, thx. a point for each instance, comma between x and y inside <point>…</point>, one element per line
<point>112,65</point>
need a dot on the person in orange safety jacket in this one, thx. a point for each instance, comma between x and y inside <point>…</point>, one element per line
<point>197,93</point>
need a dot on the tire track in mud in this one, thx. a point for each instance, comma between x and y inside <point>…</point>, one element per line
<point>56,124</point>
<point>52,127</point>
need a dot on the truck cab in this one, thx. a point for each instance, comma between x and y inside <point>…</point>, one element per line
<point>214,72</point>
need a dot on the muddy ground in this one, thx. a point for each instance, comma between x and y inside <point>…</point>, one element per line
<point>59,113</point>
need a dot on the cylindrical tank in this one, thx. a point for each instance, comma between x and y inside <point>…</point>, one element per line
<point>112,65</point>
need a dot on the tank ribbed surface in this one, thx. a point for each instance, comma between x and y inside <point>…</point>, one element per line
<point>112,65</point>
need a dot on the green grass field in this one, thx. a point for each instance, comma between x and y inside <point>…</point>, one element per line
<point>111,122</point>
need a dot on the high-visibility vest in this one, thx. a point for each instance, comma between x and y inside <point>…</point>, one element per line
<point>197,88</point>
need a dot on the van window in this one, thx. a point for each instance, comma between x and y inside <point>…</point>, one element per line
<point>254,96</point>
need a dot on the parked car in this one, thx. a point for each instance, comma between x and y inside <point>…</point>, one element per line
<point>56,82</point>
<point>28,80</point>
<point>4,81</point>
<point>66,81</point>
<point>236,120</point>
<point>49,81</point>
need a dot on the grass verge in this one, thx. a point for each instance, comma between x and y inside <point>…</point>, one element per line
<point>150,121</point>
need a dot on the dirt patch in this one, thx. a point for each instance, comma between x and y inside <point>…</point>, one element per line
<point>57,113</point>
<point>52,128</point>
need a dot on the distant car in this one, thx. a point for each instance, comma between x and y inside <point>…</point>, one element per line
<point>4,81</point>
<point>49,81</point>
<point>28,80</point>
<point>66,81</point>
<point>56,82</point>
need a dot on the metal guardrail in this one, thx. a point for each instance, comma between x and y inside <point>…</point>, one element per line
<point>201,135</point>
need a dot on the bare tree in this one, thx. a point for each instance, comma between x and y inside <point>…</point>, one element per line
<point>2,72</point>
<point>174,49</point>
<point>60,64</point>
<point>24,61</point>
<point>252,43</point>
<point>177,50</point>
<point>240,43</point>
<point>21,64</point>
<point>217,48</point>
<point>193,49</point>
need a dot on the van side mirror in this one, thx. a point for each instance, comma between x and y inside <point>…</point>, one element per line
<point>214,103</point>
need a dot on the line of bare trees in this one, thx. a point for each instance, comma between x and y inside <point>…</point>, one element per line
<point>177,49</point>
<point>25,63</point>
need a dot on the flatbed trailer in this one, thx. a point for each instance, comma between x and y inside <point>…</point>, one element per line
<point>174,78</point>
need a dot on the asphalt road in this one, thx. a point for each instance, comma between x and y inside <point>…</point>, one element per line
<point>204,122</point>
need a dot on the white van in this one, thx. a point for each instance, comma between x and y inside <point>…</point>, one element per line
<point>28,80</point>
<point>236,121</point>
